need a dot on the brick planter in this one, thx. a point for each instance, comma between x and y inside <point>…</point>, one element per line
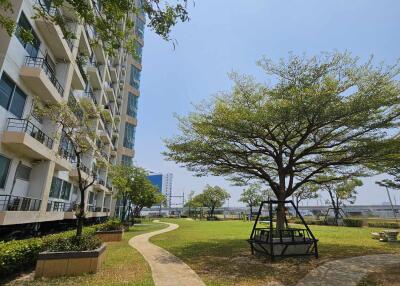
<point>69,263</point>
<point>112,235</point>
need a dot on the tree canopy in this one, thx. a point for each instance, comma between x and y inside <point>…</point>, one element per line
<point>106,17</point>
<point>212,197</point>
<point>318,114</point>
<point>252,196</point>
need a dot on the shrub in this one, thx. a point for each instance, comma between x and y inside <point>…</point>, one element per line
<point>72,243</point>
<point>310,222</point>
<point>352,222</point>
<point>384,224</point>
<point>110,225</point>
<point>17,255</point>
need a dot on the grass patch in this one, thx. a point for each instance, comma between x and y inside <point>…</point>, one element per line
<point>218,252</point>
<point>123,265</point>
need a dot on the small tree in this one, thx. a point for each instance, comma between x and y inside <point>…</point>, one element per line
<point>319,114</point>
<point>212,198</point>
<point>144,193</point>
<point>122,176</point>
<point>190,202</point>
<point>252,197</point>
<point>341,191</point>
<point>74,125</point>
<point>305,192</point>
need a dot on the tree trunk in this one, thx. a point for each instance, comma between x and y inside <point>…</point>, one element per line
<point>251,212</point>
<point>124,202</point>
<point>280,216</point>
<point>80,216</point>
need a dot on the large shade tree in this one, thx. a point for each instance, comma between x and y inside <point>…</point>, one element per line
<point>324,113</point>
<point>212,197</point>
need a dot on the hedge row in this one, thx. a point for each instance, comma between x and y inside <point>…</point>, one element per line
<point>384,224</point>
<point>353,222</point>
<point>17,255</point>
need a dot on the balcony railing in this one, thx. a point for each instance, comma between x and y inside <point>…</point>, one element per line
<point>101,182</point>
<point>17,203</point>
<point>67,155</point>
<point>23,125</point>
<point>43,64</point>
<point>54,206</point>
<point>106,210</point>
<point>91,95</point>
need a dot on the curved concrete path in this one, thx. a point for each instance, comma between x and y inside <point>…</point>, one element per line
<point>348,271</point>
<point>167,269</point>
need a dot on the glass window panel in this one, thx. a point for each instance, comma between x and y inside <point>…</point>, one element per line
<point>23,172</point>
<point>132,105</point>
<point>4,167</point>
<point>66,190</point>
<point>33,47</point>
<point>6,90</point>
<point>129,137</point>
<point>18,103</point>
<point>55,188</point>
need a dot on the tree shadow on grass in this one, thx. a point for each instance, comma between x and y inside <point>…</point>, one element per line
<point>229,261</point>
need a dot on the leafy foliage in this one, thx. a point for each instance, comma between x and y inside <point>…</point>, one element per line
<point>352,222</point>
<point>106,18</point>
<point>326,113</point>
<point>252,196</point>
<point>212,198</point>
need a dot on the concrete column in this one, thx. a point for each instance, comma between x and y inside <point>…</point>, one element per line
<point>41,178</point>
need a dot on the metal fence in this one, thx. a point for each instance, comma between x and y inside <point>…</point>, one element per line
<point>17,203</point>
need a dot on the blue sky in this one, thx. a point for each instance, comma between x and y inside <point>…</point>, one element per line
<point>231,35</point>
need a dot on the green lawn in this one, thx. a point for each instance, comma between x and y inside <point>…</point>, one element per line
<point>122,265</point>
<point>218,252</point>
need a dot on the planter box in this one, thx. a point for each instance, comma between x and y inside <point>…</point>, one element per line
<point>112,235</point>
<point>69,263</point>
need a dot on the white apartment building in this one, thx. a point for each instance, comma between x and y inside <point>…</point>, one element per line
<point>38,180</point>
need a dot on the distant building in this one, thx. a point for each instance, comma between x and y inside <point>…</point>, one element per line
<point>163,182</point>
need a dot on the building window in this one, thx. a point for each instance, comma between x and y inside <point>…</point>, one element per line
<point>23,25</point>
<point>139,28</point>
<point>132,105</point>
<point>129,137</point>
<point>4,167</point>
<point>135,77</point>
<point>126,160</point>
<point>139,50</point>
<point>12,97</point>
<point>23,172</point>
<point>65,190</point>
<point>60,189</point>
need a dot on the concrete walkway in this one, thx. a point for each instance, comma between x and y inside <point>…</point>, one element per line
<point>348,271</point>
<point>167,269</point>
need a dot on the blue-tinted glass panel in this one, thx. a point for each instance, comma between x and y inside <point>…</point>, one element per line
<point>129,138</point>
<point>6,90</point>
<point>18,102</point>
<point>135,77</point>
<point>132,105</point>
<point>31,47</point>
<point>4,166</point>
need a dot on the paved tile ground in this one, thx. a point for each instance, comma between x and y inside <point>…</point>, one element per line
<point>167,269</point>
<point>348,271</point>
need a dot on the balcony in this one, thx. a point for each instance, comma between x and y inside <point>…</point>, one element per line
<point>79,77</point>
<point>55,206</point>
<point>40,78</point>
<point>85,173</point>
<point>91,95</point>
<point>93,71</point>
<point>54,36</point>
<point>25,138</point>
<point>109,91</point>
<point>113,73</point>
<point>17,203</point>
<point>63,160</point>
